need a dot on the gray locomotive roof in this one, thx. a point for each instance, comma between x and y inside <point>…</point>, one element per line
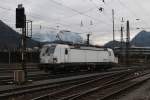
<point>88,48</point>
<point>81,47</point>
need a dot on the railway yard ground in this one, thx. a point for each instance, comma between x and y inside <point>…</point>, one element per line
<point>118,83</point>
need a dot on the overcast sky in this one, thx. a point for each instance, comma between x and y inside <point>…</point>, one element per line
<point>81,16</point>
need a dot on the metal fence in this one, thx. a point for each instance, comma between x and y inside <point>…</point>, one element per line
<point>15,57</point>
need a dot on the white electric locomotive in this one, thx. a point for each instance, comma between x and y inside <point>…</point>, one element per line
<point>66,57</point>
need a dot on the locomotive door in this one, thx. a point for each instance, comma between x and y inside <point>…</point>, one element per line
<point>66,55</point>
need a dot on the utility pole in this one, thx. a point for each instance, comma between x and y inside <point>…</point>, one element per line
<point>122,28</point>
<point>127,43</point>
<point>88,39</point>
<point>23,50</point>
<point>121,46</point>
<point>113,21</point>
<point>121,40</point>
<point>122,36</point>
<point>128,32</point>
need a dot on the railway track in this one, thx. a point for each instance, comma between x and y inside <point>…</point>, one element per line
<point>98,89</point>
<point>6,74</point>
<point>48,87</point>
<point>107,91</point>
<point>71,91</point>
<point>33,72</point>
<point>5,80</point>
<point>74,89</point>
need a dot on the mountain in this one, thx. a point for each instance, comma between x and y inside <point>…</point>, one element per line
<point>142,39</point>
<point>112,44</point>
<point>63,35</point>
<point>11,39</point>
<point>45,37</point>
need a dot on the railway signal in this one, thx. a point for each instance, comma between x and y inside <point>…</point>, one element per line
<point>20,17</point>
<point>21,23</point>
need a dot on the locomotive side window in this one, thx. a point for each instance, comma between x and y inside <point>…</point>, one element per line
<point>52,49</point>
<point>109,53</point>
<point>66,51</point>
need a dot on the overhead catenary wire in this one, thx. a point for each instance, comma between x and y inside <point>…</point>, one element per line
<point>4,8</point>
<point>12,10</point>
<point>33,15</point>
<point>134,14</point>
<point>100,9</point>
<point>141,8</point>
<point>81,13</point>
<point>68,25</point>
<point>74,10</point>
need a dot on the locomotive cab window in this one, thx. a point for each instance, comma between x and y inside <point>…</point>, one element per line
<point>49,50</point>
<point>66,51</point>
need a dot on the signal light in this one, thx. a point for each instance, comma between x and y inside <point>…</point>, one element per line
<point>20,17</point>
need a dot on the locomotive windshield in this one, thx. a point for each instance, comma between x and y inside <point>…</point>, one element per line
<point>48,50</point>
